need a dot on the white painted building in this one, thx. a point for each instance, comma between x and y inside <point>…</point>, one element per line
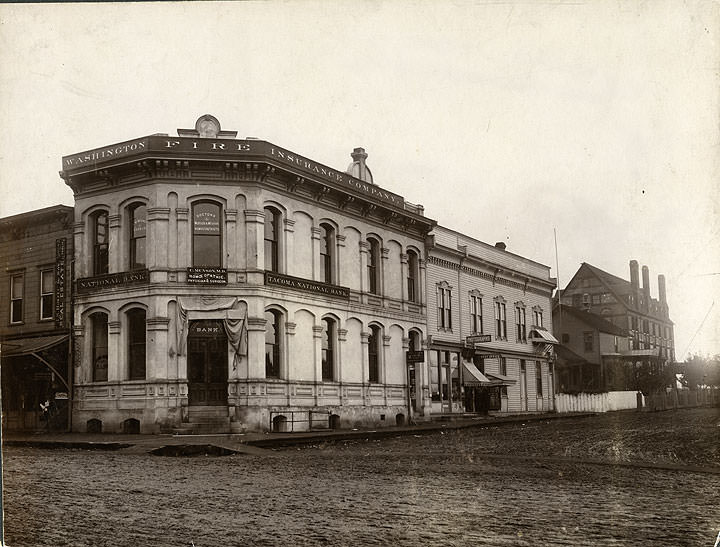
<point>489,327</point>
<point>226,284</point>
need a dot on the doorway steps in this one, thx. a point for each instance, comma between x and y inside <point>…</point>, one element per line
<point>207,420</point>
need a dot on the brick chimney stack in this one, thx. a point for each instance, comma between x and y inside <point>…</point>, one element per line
<point>646,286</point>
<point>634,275</point>
<point>662,295</point>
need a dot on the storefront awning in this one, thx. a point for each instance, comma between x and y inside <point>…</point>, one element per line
<point>500,380</point>
<point>543,336</point>
<point>28,346</point>
<point>472,376</point>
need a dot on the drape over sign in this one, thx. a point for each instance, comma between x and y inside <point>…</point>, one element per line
<point>202,303</point>
<point>236,330</point>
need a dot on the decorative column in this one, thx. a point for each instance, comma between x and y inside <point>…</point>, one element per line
<point>78,353</point>
<point>422,287</point>
<point>156,361</point>
<point>365,342</point>
<point>116,257</point>
<point>287,247</point>
<point>82,253</point>
<point>339,256</point>
<point>317,347</point>
<point>315,235</point>
<point>115,354</point>
<point>384,270</point>
<point>255,246</point>
<point>342,337</point>
<point>384,358</point>
<point>158,220</point>
<point>184,247</point>
<point>288,336</point>
<point>229,239</point>
<point>256,348</point>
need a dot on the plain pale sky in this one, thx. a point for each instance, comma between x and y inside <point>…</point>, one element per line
<point>506,120</point>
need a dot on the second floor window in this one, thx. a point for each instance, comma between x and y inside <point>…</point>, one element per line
<point>538,317</point>
<point>47,294</point>
<point>327,253</point>
<point>444,308</point>
<point>500,321</point>
<point>100,238</point>
<point>138,223</point>
<point>17,286</point>
<point>588,341</point>
<point>520,324</point>
<point>272,236</point>
<point>476,320</point>
<point>412,277</point>
<point>373,266</point>
<point>207,235</point>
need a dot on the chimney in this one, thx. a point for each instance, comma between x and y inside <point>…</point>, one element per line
<point>500,245</point>
<point>661,289</point>
<point>634,275</point>
<point>646,284</point>
<point>358,168</point>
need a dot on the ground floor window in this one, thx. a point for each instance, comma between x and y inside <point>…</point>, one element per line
<point>445,381</point>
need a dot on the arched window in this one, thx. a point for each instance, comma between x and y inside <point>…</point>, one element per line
<point>327,253</point>
<point>373,354</point>
<point>328,350</point>
<point>136,344</point>
<point>412,277</point>
<point>272,237</point>
<point>138,220</point>
<point>414,341</point>
<point>373,266</point>
<point>100,238</point>
<point>272,344</point>
<point>99,341</point>
<point>207,235</point>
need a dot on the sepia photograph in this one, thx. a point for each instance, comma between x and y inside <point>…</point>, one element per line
<point>365,272</point>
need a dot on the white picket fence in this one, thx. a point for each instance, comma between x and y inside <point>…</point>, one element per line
<point>596,402</point>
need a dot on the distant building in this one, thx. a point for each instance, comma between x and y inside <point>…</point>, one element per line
<point>489,327</point>
<point>36,253</point>
<point>612,332</point>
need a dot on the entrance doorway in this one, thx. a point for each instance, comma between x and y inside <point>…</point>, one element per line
<point>207,363</point>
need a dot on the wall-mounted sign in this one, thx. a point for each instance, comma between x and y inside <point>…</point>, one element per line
<point>478,338</point>
<point>229,149</point>
<point>207,276</point>
<point>86,284</point>
<point>281,280</point>
<point>488,355</point>
<point>60,256</point>
<point>414,356</point>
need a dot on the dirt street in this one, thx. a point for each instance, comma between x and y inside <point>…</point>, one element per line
<point>512,485</point>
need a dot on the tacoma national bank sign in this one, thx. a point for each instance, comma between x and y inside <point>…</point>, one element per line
<point>252,149</point>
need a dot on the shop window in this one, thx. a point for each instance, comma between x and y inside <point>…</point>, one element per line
<point>413,276</point>
<point>500,319</point>
<point>99,341</point>
<point>100,239</point>
<point>47,294</point>
<point>138,228</point>
<point>444,299</point>
<point>538,379</point>
<point>476,318</point>
<point>328,349</point>
<point>373,354</point>
<point>520,327</point>
<point>207,235</point>
<point>373,266</point>
<point>272,239</point>
<point>17,288</point>
<point>136,344</point>
<point>327,253</point>
<point>272,343</point>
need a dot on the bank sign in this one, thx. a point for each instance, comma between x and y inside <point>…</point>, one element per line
<point>229,149</point>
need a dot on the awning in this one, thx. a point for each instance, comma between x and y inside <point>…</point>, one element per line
<point>541,335</point>
<point>472,376</point>
<point>500,380</point>
<point>28,346</point>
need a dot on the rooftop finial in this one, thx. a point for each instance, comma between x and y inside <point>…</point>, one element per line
<point>358,168</point>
